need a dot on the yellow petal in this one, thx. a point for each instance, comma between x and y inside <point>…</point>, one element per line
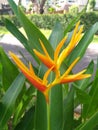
<point>79,34</point>
<point>58,48</point>
<point>71,67</point>
<point>72,78</point>
<point>44,49</point>
<point>46,75</point>
<point>18,61</point>
<point>74,41</point>
<point>62,56</point>
<point>75,31</point>
<point>70,46</point>
<point>31,68</point>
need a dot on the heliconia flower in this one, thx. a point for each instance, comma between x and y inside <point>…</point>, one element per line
<point>53,65</point>
<point>42,84</point>
<point>59,58</point>
<point>38,83</point>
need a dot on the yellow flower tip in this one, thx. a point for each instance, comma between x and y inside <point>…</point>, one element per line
<point>44,49</point>
<point>13,56</point>
<point>31,68</point>
<point>11,53</point>
<point>87,75</point>
<point>82,76</point>
<point>78,23</point>
<point>38,54</point>
<point>58,48</point>
<point>34,51</point>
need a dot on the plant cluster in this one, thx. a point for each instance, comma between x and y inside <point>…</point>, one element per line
<point>45,96</point>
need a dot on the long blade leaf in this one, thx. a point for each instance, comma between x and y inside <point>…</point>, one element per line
<point>56,108</point>
<point>69,110</point>
<point>56,36</point>
<point>8,101</point>
<point>9,70</point>
<point>34,34</point>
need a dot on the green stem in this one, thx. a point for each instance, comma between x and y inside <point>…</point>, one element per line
<point>48,116</point>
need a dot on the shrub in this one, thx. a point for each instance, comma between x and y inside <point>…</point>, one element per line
<point>73,9</point>
<point>88,19</point>
<point>47,21</point>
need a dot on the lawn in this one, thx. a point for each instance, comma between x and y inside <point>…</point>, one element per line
<point>3,31</point>
<point>46,32</point>
<point>95,40</point>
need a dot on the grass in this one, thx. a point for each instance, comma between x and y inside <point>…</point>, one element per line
<point>3,30</point>
<point>46,32</point>
<point>95,39</point>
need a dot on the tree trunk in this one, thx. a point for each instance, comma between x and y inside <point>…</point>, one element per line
<point>19,2</point>
<point>41,6</point>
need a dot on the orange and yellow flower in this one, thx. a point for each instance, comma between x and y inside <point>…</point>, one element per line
<point>59,58</point>
<point>53,65</point>
<point>40,84</point>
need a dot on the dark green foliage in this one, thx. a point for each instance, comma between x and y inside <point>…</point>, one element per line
<point>88,19</point>
<point>47,21</point>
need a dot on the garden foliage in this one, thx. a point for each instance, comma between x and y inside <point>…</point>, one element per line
<point>22,107</point>
<point>47,21</point>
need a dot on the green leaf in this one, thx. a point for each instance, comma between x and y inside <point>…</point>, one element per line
<point>41,120</point>
<point>82,87</point>
<point>10,26</point>
<point>56,35</point>
<point>27,122</point>
<point>34,34</point>
<point>1,76</point>
<point>8,101</point>
<point>69,110</point>
<point>13,6</point>
<point>41,112</point>
<point>83,44</point>
<point>9,70</point>
<point>84,84</point>
<point>24,102</point>
<point>93,103</point>
<point>56,108</point>
<point>90,123</point>
<point>82,96</point>
<point>56,94</point>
